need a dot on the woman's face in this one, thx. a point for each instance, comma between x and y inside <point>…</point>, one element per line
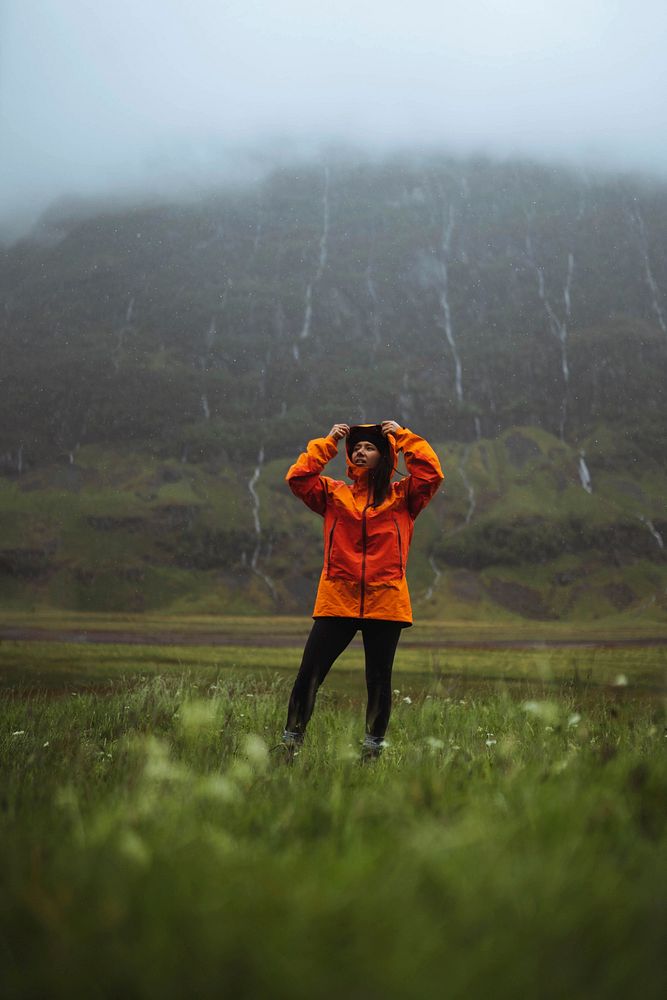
<point>365,455</point>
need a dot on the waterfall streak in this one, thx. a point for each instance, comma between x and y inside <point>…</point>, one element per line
<point>405,399</point>
<point>654,531</point>
<point>568,285</point>
<point>321,264</point>
<point>648,272</point>
<point>254,562</point>
<point>375,308</point>
<point>209,336</point>
<point>472,503</point>
<point>584,474</point>
<point>557,326</point>
<point>258,231</point>
<point>127,327</point>
<point>308,312</point>
<point>436,577</point>
<point>444,300</point>
<point>253,492</point>
<point>325,228</point>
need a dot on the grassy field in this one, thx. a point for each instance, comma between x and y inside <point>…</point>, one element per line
<point>626,626</point>
<point>56,666</point>
<point>512,840</point>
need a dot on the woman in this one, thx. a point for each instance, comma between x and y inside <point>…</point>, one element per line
<point>367,532</point>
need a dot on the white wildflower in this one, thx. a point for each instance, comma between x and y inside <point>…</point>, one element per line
<point>19,732</point>
<point>407,700</point>
<point>255,750</point>
<point>574,719</point>
<point>159,766</point>
<point>197,716</point>
<point>545,710</point>
<point>218,787</point>
<point>491,743</point>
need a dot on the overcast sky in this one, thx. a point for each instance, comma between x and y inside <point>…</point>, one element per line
<point>102,95</point>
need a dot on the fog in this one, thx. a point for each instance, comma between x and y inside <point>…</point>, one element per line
<point>157,96</point>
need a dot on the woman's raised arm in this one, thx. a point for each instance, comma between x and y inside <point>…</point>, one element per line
<point>422,463</point>
<point>304,477</point>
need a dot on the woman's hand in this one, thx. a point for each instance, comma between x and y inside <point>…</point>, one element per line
<point>339,431</point>
<point>390,427</point>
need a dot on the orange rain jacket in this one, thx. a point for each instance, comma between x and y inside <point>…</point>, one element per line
<point>365,547</point>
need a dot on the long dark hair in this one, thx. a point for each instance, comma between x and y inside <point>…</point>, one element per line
<point>381,477</point>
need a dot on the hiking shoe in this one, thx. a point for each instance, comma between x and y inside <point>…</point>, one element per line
<point>284,753</point>
<point>371,749</point>
<point>288,748</point>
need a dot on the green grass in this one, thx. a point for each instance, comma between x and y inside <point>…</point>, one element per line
<point>624,626</point>
<point>511,842</point>
<point>53,665</point>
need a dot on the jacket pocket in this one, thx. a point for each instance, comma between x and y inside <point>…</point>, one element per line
<point>330,545</point>
<point>400,546</point>
<point>343,556</point>
<point>385,560</point>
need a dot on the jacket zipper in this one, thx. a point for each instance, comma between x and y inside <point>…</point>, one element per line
<point>400,546</point>
<point>363,553</point>
<point>331,534</point>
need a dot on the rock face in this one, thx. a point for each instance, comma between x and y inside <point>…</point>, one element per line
<point>502,310</point>
<point>463,297</point>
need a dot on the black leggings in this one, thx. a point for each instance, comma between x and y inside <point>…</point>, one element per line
<point>327,640</point>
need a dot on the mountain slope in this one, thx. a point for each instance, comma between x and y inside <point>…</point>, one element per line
<point>162,365</point>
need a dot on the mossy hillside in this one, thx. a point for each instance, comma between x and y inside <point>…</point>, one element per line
<point>131,531</point>
<point>527,483</point>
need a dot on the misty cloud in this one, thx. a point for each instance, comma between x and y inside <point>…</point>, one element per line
<point>151,94</point>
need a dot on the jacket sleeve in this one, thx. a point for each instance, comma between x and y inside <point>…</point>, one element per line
<point>425,473</point>
<point>304,476</point>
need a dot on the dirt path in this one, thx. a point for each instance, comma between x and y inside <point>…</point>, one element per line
<point>221,638</point>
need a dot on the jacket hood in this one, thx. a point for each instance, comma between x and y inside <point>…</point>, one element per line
<point>374,432</point>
